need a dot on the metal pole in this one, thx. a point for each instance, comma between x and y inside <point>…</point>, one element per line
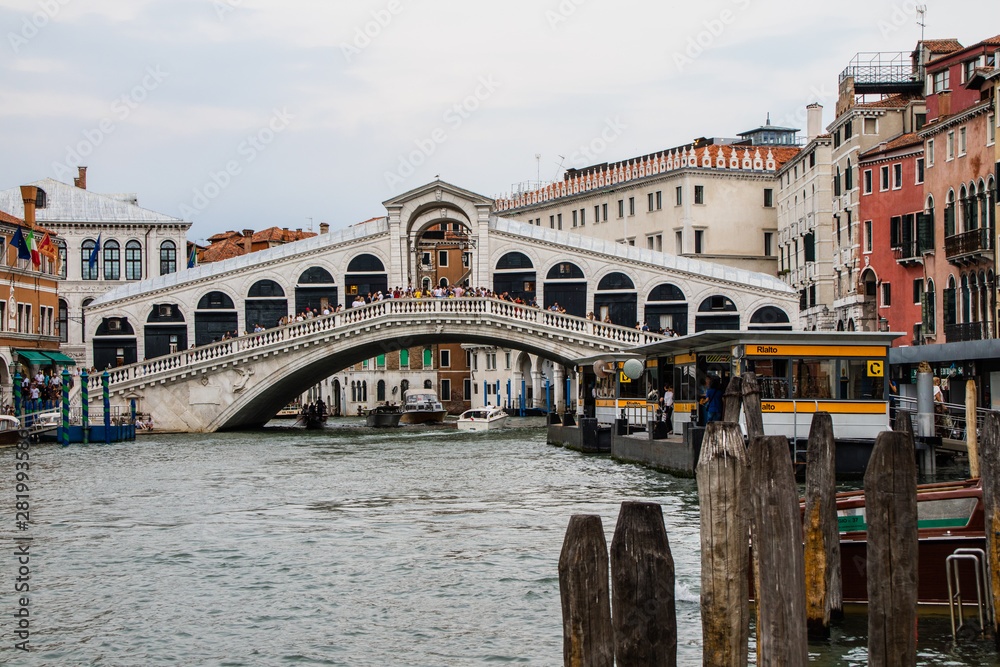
<point>548,398</point>
<point>508,395</point>
<point>568,394</point>
<point>65,407</point>
<point>85,405</point>
<point>486,393</point>
<point>523,396</point>
<point>105,388</point>
<point>132,402</point>
<point>17,395</point>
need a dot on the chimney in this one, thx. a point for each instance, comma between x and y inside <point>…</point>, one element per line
<point>324,228</point>
<point>81,180</point>
<point>28,194</point>
<point>247,232</point>
<point>814,121</point>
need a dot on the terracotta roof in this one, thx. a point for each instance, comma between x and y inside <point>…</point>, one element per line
<point>891,102</point>
<point>220,250</point>
<point>992,40</point>
<point>7,217</point>
<point>281,235</point>
<point>222,236</point>
<point>901,141</point>
<point>942,45</point>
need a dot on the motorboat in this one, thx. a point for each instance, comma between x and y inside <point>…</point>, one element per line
<point>384,416</point>
<point>313,415</point>
<point>482,419</point>
<point>421,406</point>
<point>10,430</point>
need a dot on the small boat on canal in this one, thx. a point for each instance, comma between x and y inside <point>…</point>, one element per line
<point>10,430</point>
<point>384,416</point>
<point>482,419</point>
<point>422,406</point>
<point>313,415</point>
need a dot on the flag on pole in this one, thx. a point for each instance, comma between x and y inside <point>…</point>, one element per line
<point>193,259</point>
<point>92,262</point>
<point>48,249</point>
<point>23,251</point>
<point>36,258</point>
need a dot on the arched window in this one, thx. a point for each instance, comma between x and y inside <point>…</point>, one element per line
<point>404,385</point>
<point>215,301</point>
<point>615,281</point>
<point>265,289</point>
<point>949,215</point>
<point>354,391</point>
<point>380,391</point>
<point>89,271</point>
<point>168,258</point>
<point>364,264</point>
<point>133,260</point>
<point>83,320</point>
<point>514,260</point>
<point>770,317</point>
<point>112,260</point>
<point>666,292</point>
<point>364,391</point>
<point>565,271</point>
<point>428,384</point>
<point>63,322</point>
<point>41,199</point>
<point>848,177</point>
<point>315,275</point>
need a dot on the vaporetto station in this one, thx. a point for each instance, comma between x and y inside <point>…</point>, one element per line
<point>164,338</point>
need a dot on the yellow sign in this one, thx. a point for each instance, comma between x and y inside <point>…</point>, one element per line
<point>624,379</point>
<point>815,351</point>
<point>876,369</point>
<point>838,407</point>
<point>684,359</point>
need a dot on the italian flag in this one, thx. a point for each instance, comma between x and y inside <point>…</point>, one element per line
<point>36,257</point>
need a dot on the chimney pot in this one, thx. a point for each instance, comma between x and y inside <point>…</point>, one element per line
<point>28,194</point>
<point>81,180</point>
<point>324,228</point>
<point>247,232</point>
<point>814,121</point>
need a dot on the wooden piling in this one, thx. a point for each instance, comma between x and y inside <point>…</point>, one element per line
<point>891,514</point>
<point>586,603</point>
<point>642,589</point>
<point>732,400</point>
<point>991,508</point>
<point>723,497</point>
<point>971,436</point>
<point>824,594</point>
<point>751,406</point>
<point>904,423</point>
<point>776,526</point>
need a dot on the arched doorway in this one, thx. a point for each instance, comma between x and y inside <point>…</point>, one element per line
<point>515,275</point>
<point>114,343</point>
<point>315,291</point>
<point>770,318</point>
<point>166,331</point>
<point>365,274</point>
<point>717,313</point>
<point>615,300</point>
<point>566,285</point>
<point>215,317</point>
<point>666,309</point>
<point>335,398</point>
<point>265,304</point>
<point>869,308</point>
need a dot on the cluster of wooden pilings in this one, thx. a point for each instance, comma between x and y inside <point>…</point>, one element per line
<point>749,498</point>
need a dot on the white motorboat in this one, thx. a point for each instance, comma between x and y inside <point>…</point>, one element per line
<point>421,406</point>
<point>482,419</point>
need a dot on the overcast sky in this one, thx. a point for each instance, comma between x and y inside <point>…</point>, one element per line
<point>239,114</point>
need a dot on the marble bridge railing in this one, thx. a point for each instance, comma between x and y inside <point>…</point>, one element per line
<point>544,321</point>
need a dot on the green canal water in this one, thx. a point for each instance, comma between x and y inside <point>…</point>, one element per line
<point>342,547</point>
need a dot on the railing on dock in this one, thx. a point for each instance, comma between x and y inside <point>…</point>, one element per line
<point>950,422</point>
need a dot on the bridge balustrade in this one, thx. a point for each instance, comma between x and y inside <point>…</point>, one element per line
<point>369,313</point>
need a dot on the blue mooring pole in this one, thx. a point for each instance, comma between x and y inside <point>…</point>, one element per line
<point>65,407</point>
<point>85,406</point>
<point>548,397</point>
<point>523,396</point>
<point>508,395</point>
<point>17,395</point>
<point>106,390</point>
<point>486,393</point>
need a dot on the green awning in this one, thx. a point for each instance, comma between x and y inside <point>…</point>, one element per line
<point>34,357</point>
<point>60,358</point>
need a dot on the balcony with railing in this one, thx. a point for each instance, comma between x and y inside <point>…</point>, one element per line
<point>967,331</point>
<point>970,246</point>
<point>908,252</point>
<point>882,72</point>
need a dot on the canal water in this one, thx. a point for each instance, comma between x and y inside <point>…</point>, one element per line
<point>342,547</point>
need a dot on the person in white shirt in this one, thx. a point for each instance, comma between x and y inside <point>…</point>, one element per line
<point>668,407</point>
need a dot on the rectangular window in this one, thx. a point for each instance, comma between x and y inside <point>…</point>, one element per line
<point>559,221</point>
<point>768,244</point>
<point>836,139</point>
<point>951,145</point>
<point>699,241</point>
<point>918,289</point>
<point>428,358</point>
<point>941,81</point>
<point>659,200</point>
<point>868,235</point>
<point>597,214</point>
<point>868,181</point>
<point>621,208</point>
<point>380,361</point>
<point>991,131</point>
<point>930,152</point>
<point>574,217</point>
<point>848,130</point>
<point>884,183</point>
<point>404,358</point>
<point>678,241</point>
<point>631,205</point>
<point>442,258</point>
<point>552,222</point>
<point>507,359</point>
<point>445,356</point>
<point>583,217</point>
<point>871,126</point>
<point>920,170</point>
<point>604,212</point>
<point>650,198</point>
<point>659,243</point>
<point>699,194</point>
<point>467,389</point>
<point>895,228</point>
<point>962,144</point>
<point>812,159</point>
<point>650,241</point>
<point>445,390</point>
<point>809,247</point>
<point>886,294</point>
<point>768,198</point>
<point>969,69</point>
<point>897,176</point>
<point>679,190</point>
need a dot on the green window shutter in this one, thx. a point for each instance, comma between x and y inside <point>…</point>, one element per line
<point>404,357</point>
<point>894,225</point>
<point>950,314</point>
<point>809,244</point>
<point>925,232</point>
<point>906,231</point>
<point>949,220</point>
<point>380,360</point>
<point>428,357</point>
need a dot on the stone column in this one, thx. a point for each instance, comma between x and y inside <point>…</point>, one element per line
<point>537,397</point>
<point>397,242</point>
<point>559,379</point>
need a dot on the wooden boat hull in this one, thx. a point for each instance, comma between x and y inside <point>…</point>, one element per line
<point>383,419</point>
<point>422,417</point>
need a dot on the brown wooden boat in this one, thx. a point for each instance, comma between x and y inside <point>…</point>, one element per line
<point>949,517</point>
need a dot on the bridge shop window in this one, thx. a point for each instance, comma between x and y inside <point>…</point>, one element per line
<point>168,258</point>
<point>770,318</point>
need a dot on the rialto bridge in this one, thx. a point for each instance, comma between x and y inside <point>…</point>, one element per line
<point>164,337</point>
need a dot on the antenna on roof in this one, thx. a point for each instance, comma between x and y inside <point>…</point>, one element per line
<point>310,223</point>
<point>921,19</point>
<point>538,171</point>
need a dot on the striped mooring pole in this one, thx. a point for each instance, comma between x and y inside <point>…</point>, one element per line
<point>17,394</point>
<point>106,389</point>
<point>65,407</point>
<point>85,405</point>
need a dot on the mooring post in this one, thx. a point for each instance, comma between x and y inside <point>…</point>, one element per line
<point>971,439</point>
<point>723,497</point>
<point>586,601</point>
<point>904,424</point>
<point>824,594</point>
<point>732,400</point>
<point>891,514</point>
<point>642,589</point>
<point>991,509</point>
<point>751,406</point>
<point>776,522</point>
<point>64,425</point>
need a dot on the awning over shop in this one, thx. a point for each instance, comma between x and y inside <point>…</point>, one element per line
<point>34,357</point>
<point>60,358</point>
